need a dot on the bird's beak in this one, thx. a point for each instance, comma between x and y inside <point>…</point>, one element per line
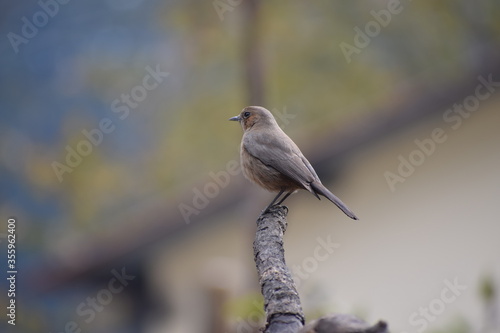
<point>236,118</point>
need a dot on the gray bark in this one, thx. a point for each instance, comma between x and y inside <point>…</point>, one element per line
<point>281,299</point>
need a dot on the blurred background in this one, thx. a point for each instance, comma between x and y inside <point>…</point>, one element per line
<point>122,172</point>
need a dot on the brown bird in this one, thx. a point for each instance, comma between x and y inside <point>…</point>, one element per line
<point>273,161</point>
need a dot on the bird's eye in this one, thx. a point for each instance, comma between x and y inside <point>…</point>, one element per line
<point>246,114</point>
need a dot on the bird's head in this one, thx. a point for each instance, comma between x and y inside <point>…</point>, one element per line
<point>255,117</point>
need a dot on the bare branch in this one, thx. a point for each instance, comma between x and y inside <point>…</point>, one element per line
<point>281,299</point>
<point>343,323</point>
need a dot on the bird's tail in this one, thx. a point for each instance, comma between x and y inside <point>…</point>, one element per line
<point>318,188</point>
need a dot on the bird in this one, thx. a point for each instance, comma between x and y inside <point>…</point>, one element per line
<point>270,159</point>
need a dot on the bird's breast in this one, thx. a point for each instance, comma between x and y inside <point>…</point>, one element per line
<point>263,175</point>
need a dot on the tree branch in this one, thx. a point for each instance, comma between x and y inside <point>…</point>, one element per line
<point>343,323</point>
<point>281,299</point>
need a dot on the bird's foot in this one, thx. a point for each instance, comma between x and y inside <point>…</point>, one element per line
<point>269,208</point>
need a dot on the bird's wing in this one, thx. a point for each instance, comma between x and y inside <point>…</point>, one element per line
<point>282,154</point>
<point>310,168</point>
